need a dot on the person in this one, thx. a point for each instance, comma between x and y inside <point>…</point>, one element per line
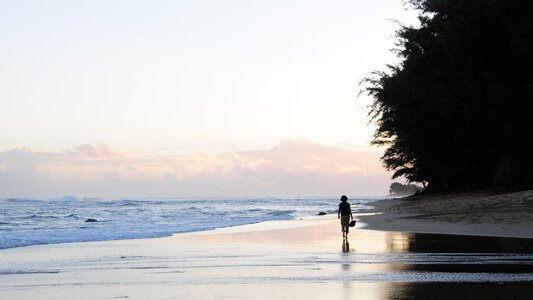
<point>345,215</point>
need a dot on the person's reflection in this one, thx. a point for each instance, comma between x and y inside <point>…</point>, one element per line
<point>345,246</point>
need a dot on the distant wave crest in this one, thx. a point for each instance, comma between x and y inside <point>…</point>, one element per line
<point>71,198</point>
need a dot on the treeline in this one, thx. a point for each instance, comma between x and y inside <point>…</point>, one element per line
<point>457,112</point>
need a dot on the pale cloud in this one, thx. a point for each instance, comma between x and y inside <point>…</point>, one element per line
<point>291,168</point>
<point>349,169</point>
<point>95,151</point>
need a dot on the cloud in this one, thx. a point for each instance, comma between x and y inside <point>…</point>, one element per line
<point>95,151</point>
<point>291,168</point>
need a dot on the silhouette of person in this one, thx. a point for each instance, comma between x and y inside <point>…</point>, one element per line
<point>345,215</point>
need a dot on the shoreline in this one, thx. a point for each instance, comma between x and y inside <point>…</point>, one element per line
<point>293,259</point>
<point>472,214</point>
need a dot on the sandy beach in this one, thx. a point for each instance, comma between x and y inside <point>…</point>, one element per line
<point>481,214</point>
<point>297,259</point>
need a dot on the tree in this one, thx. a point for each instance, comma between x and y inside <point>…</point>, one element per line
<point>455,113</point>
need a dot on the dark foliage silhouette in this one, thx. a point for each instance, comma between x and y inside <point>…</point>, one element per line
<point>457,111</point>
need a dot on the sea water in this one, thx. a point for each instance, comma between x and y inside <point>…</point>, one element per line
<point>35,221</point>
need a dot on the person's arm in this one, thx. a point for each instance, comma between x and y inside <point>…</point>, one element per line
<point>351,213</point>
<point>339,213</point>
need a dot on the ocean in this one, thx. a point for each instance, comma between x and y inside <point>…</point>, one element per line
<point>33,221</point>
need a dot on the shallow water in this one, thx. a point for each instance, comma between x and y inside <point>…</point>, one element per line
<point>26,222</point>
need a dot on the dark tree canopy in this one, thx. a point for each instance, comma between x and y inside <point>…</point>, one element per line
<point>457,111</point>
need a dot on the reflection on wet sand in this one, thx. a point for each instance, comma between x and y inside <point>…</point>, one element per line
<point>431,266</point>
<point>381,241</point>
<point>345,246</point>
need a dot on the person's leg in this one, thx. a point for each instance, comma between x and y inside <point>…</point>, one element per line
<point>345,222</point>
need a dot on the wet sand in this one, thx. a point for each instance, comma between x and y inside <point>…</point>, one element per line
<point>299,259</point>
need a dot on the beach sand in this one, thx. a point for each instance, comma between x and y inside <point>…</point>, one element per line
<point>482,213</point>
<point>296,259</point>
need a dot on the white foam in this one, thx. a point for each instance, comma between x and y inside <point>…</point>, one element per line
<point>71,198</point>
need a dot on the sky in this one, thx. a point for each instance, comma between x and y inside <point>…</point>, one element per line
<point>191,98</point>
